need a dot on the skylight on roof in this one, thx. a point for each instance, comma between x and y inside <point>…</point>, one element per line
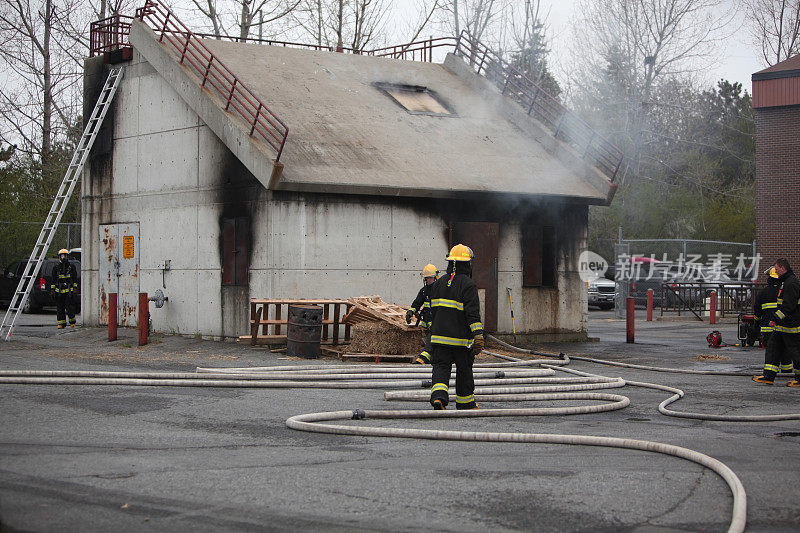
<point>416,100</point>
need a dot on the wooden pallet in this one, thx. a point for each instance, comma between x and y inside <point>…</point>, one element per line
<point>374,309</point>
<point>378,358</point>
<point>268,325</point>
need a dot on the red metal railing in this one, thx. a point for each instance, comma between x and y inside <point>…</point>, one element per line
<point>108,34</point>
<point>214,76</point>
<point>416,51</point>
<point>270,42</point>
<point>563,123</point>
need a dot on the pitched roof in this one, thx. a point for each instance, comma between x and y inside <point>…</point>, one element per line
<point>346,135</point>
<point>785,69</point>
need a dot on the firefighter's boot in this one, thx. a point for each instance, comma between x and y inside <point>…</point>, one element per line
<point>762,379</point>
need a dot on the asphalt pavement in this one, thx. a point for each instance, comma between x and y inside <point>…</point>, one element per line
<point>99,458</point>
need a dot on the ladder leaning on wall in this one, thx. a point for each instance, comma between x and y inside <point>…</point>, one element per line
<point>63,195</point>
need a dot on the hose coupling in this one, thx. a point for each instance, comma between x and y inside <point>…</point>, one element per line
<point>359,414</point>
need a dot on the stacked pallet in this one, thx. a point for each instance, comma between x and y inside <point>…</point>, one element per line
<point>374,309</point>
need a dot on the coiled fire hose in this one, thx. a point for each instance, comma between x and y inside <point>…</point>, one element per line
<point>514,380</point>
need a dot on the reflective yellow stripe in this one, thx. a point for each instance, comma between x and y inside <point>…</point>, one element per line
<point>440,386</point>
<point>766,329</point>
<point>451,341</point>
<point>425,355</point>
<point>443,302</point>
<point>787,368</point>
<point>426,304</point>
<point>475,326</point>
<point>784,329</point>
<point>780,300</point>
<point>773,368</point>
<point>412,309</point>
<point>465,399</point>
<point>771,305</point>
<point>780,314</point>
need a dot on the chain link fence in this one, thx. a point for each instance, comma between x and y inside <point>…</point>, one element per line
<point>635,259</point>
<point>18,238</point>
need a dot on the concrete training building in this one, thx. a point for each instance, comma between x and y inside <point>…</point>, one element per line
<point>387,163</point>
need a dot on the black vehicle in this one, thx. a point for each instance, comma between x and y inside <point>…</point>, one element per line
<point>40,292</point>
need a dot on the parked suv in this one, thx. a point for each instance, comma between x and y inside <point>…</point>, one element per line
<point>601,292</point>
<point>40,292</point>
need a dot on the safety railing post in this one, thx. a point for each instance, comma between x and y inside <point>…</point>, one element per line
<point>630,317</point>
<point>144,315</point>
<point>230,96</point>
<point>712,312</point>
<point>112,316</point>
<point>255,119</point>
<point>649,305</point>
<point>185,47</point>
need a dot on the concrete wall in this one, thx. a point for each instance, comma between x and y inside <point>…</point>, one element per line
<point>167,171</point>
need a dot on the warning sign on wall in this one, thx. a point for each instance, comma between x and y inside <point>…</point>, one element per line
<point>127,246</point>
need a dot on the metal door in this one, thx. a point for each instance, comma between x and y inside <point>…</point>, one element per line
<point>482,237</point>
<point>118,268</point>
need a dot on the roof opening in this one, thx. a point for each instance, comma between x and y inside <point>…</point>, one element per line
<point>416,99</point>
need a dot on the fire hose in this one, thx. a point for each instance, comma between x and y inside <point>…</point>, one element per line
<point>493,382</point>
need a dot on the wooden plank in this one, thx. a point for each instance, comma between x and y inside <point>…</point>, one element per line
<point>254,326</point>
<point>269,339</point>
<point>283,322</point>
<point>326,310</point>
<point>278,317</point>
<point>335,323</point>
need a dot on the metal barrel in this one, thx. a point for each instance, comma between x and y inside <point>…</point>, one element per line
<point>304,331</point>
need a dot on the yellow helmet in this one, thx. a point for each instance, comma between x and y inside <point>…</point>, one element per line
<point>459,252</point>
<point>63,251</point>
<point>430,271</point>
<point>772,273</point>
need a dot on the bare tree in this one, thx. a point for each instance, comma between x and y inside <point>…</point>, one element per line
<point>38,102</point>
<point>240,17</point>
<point>775,25</point>
<point>342,24</point>
<point>474,16</point>
<point>633,45</point>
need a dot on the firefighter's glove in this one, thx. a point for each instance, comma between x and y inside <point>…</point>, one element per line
<point>478,345</point>
<point>409,314</point>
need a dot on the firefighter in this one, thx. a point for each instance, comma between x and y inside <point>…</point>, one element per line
<point>765,303</point>
<point>784,343</point>
<point>63,286</point>
<point>421,307</point>
<point>456,330</point>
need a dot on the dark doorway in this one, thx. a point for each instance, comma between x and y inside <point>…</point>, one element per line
<point>482,237</point>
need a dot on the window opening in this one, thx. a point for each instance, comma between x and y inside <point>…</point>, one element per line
<point>416,99</point>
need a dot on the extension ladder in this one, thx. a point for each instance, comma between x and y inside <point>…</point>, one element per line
<point>63,195</point>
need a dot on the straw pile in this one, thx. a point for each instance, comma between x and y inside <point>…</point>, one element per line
<point>384,338</point>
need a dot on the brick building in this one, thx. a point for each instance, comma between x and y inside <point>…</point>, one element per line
<point>776,101</point>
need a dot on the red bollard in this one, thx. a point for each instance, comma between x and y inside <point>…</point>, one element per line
<point>112,316</point>
<point>144,312</point>
<point>649,305</point>
<point>629,318</point>
<point>712,313</point>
